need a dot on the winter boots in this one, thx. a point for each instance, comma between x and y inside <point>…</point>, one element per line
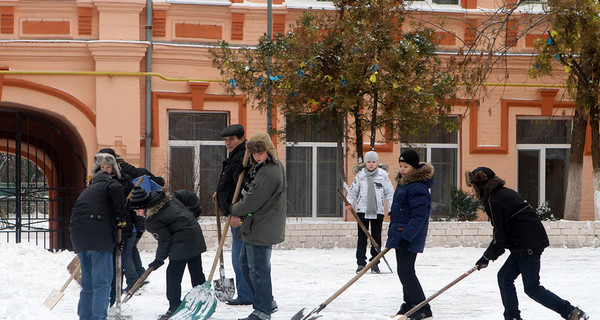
<point>359,268</point>
<point>167,314</point>
<point>375,269</point>
<point>578,314</point>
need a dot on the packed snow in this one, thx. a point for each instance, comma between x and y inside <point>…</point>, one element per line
<point>305,278</point>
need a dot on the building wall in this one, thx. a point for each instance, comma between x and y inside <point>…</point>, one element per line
<point>108,111</point>
<point>339,234</point>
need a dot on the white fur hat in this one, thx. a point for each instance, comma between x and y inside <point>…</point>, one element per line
<point>106,158</point>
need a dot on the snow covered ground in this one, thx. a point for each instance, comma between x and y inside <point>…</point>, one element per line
<point>307,277</point>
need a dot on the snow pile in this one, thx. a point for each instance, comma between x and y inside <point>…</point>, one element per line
<point>305,278</point>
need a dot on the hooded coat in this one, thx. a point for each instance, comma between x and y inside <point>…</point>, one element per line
<point>411,209</point>
<point>515,224</point>
<point>175,228</point>
<point>93,219</point>
<point>263,207</point>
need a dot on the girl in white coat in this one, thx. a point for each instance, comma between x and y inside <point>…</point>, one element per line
<point>371,190</point>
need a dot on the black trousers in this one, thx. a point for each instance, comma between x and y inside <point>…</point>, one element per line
<point>175,275</point>
<point>411,287</point>
<point>361,245</point>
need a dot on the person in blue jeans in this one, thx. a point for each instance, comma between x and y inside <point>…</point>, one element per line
<point>516,227</point>
<point>233,136</point>
<point>93,227</point>
<point>263,211</point>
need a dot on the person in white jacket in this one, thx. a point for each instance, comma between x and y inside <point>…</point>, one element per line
<point>371,190</point>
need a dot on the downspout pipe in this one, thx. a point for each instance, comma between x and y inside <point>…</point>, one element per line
<point>148,122</point>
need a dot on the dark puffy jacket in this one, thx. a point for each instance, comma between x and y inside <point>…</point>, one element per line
<point>516,225</point>
<point>190,200</point>
<point>411,209</point>
<point>93,219</point>
<point>178,233</point>
<point>232,167</point>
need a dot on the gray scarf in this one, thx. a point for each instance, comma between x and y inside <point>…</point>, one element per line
<point>371,196</point>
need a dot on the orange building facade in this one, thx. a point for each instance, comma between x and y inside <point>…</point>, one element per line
<point>78,67</point>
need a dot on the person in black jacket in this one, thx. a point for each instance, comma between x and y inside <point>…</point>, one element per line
<point>179,236</point>
<point>235,143</point>
<point>134,229</point>
<point>93,234</point>
<point>517,228</point>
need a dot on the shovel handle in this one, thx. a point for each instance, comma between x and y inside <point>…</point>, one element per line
<point>138,284</point>
<point>75,272</point>
<point>433,296</point>
<point>238,187</point>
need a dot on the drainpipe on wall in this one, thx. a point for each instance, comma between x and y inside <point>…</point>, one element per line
<point>148,123</point>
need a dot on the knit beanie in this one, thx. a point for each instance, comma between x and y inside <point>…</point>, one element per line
<point>411,157</point>
<point>139,198</point>
<point>371,156</point>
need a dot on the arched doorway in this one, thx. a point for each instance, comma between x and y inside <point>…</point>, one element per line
<point>42,172</point>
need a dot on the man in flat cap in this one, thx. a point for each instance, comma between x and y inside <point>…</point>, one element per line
<point>235,143</point>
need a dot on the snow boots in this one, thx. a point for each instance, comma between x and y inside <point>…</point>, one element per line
<point>375,269</point>
<point>578,314</point>
<point>167,314</point>
<point>359,268</point>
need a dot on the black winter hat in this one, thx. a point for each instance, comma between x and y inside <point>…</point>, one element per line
<point>139,198</point>
<point>411,157</point>
<point>479,177</point>
<point>233,130</point>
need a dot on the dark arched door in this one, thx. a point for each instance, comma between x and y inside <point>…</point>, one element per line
<point>42,173</point>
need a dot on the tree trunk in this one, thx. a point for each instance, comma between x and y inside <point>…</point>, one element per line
<point>359,133</point>
<point>374,121</point>
<point>596,162</point>
<point>573,197</point>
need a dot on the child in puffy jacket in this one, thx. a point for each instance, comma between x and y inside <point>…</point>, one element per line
<point>371,190</point>
<point>409,221</point>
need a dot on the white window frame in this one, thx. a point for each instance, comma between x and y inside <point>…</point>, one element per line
<point>192,143</point>
<point>542,158</point>
<point>314,194</point>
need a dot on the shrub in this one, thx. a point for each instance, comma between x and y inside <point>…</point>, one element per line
<point>463,206</point>
<point>544,212</point>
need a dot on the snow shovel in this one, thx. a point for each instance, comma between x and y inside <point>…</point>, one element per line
<point>433,296</point>
<point>314,314</point>
<point>138,284</point>
<point>200,302</point>
<point>55,295</point>
<point>224,287</point>
<point>364,229</point>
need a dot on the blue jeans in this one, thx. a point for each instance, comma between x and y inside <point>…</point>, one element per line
<point>528,266</point>
<point>244,294</point>
<point>96,277</point>
<point>135,256</point>
<point>129,269</point>
<point>255,262</point>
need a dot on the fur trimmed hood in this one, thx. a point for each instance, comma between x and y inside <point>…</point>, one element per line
<point>423,173</point>
<point>157,200</point>
<point>487,189</point>
<point>103,159</point>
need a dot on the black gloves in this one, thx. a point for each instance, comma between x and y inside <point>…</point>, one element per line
<point>404,244</point>
<point>156,264</point>
<point>139,234</point>
<point>482,263</point>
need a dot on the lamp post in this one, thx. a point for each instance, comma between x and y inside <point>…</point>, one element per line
<point>269,82</point>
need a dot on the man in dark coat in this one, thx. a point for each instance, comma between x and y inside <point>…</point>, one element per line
<point>93,234</point>
<point>178,234</point>
<point>518,229</point>
<point>235,143</point>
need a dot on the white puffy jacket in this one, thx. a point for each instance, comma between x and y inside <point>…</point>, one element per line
<point>384,190</point>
